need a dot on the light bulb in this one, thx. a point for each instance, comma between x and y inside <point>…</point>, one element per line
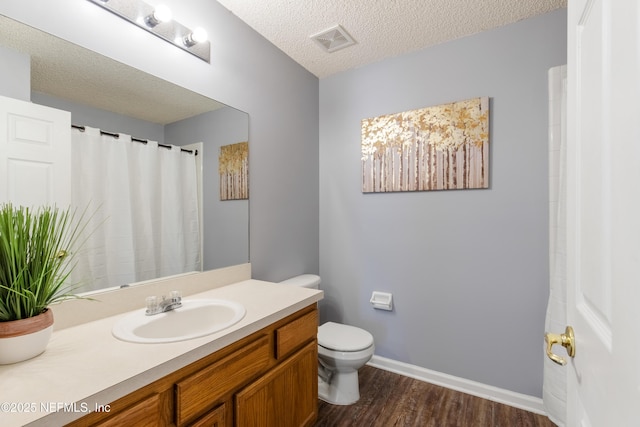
<point>160,14</point>
<point>198,35</point>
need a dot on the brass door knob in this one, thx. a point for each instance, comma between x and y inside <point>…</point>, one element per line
<point>567,340</point>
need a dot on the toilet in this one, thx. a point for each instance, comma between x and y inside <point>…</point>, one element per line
<point>342,350</point>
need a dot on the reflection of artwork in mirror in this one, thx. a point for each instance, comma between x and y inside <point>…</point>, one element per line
<point>435,148</point>
<point>234,172</point>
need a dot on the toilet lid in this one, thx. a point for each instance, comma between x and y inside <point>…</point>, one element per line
<point>339,337</point>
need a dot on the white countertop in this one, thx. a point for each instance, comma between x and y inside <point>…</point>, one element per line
<point>84,366</point>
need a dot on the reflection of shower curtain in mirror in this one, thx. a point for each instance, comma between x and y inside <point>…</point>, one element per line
<point>144,206</point>
<point>554,388</point>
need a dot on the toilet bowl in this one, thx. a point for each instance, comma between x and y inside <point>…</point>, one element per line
<point>342,350</point>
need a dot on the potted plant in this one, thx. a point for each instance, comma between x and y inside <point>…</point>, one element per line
<point>36,258</point>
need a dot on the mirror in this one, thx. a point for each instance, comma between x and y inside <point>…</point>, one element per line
<point>103,93</point>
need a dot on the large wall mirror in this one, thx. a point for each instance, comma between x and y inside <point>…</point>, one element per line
<point>108,95</point>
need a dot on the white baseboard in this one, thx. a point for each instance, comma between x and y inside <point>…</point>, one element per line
<point>517,400</point>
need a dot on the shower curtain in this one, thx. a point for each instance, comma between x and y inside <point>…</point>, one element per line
<point>554,389</point>
<point>142,202</point>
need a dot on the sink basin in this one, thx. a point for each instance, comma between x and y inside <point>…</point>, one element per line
<point>196,318</point>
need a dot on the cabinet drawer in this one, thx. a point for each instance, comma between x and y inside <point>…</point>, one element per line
<point>197,393</point>
<point>144,413</point>
<point>296,333</point>
<point>215,418</point>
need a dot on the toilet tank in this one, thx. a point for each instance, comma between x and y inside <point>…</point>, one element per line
<point>304,280</point>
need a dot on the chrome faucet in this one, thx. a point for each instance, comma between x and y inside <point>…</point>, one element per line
<point>166,304</point>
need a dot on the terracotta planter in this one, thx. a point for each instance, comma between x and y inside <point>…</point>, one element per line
<point>26,338</point>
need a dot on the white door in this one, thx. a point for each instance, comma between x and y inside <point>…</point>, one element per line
<point>35,156</point>
<point>603,208</point>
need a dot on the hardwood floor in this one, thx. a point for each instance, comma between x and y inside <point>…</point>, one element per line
<point>388,399</point>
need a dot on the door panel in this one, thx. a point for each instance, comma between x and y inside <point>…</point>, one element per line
<point>35,154</point>
<point>592,157</point>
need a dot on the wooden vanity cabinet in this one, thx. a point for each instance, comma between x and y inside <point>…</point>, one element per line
<point>269,378</point>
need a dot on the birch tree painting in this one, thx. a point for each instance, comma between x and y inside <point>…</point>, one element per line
<point>233,166</point>
<point>434,148</point>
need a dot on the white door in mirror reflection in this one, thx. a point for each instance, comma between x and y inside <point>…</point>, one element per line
<point>34,154</point>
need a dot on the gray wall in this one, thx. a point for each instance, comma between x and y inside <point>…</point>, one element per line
<point>468,268</point>
<point>83,115</point>
<point>226,223</point>
<point>15,74</point>
<point>245,72</point>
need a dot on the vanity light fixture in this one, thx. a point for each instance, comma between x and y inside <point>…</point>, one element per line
<point>157,20</point>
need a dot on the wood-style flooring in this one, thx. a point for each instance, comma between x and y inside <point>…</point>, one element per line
<point>388,399</point>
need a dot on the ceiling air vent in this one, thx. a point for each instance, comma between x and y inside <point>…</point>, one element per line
<point>334,38</point>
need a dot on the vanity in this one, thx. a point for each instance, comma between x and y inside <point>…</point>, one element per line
<point>261,371</point>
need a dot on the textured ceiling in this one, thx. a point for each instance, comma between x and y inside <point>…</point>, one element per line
<point>381,28</point>
<point>70,72</point>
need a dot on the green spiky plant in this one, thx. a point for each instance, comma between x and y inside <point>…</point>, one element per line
<point>37,248</point>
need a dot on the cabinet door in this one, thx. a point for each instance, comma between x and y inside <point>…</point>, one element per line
<point>287,396</point>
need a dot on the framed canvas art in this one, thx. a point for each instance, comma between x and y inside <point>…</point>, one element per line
<point>434,148</point>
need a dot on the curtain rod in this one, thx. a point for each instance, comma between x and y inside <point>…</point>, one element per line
<point>143,141</point>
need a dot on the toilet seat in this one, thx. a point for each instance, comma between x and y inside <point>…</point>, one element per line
<point>339,337</point>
